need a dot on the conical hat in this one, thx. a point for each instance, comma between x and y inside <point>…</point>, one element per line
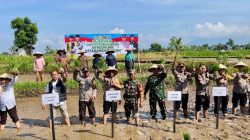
<point>110,50</point>
<point>82,51</point>
<point>111,69</point>
<point>221,66</point>
<point>5,76</point>
<point>37,53</point>
<point>152,67</point>
<point>240,64</point>
<point>97,54</point>
<point>62,50</point>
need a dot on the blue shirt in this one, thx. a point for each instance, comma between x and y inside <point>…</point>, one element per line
<point>111,61</point>
<point>7,97</point>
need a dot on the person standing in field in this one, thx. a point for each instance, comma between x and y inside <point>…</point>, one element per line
<point>58,85</point>
<point>133,92</point>
<point>7,100</point>
<point>240,88</point>
<point>109,82</point>
<point>202,80</point>
<point>110,58</point>
<point>87,94</point>
<point>96,62</point>
<point>129,60</point>
<point>39,64</point>
<point>182,77</point>
<point>221,80</point>
<point>83,59</point>
<point>155,86</point>
<point>62,58</point>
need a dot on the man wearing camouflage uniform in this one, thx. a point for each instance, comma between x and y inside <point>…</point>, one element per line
<point>133,91</point>
<point>155,86</point>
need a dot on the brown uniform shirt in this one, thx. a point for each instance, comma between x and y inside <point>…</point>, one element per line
<point>84,61</point>
<point>240,82</point>
<point>202,83</point>
<point>181,81</point>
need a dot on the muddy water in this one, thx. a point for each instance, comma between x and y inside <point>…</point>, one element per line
<point>34,125</point>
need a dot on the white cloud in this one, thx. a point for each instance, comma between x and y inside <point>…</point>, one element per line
<point>210,30</point>
<point>117,31</point>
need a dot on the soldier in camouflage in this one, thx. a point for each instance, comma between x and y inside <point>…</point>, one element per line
<point>155,86</point>
<point>133,91</point>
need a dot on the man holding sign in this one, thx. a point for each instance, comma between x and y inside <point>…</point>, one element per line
<point>221,81</point>
<point>57,85</point>
<point>109,82</point>
<point>155,86</point>
<point>182,77</point>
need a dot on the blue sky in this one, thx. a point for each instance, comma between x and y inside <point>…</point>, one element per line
<point>196,21</point>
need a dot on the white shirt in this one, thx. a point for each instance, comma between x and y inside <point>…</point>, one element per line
<point>7,97</point>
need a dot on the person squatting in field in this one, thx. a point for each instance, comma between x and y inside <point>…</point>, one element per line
<point>132,93</point>
<point>57,85</point>
<point>7,100</point>
<point>87,94</point>
<point>39,64</point>
<point>182,77</point>
<point>109,82</point>
<point>155,86</point>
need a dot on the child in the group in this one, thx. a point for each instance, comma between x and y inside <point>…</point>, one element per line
<point>39,64</point>
<point>87,94</point>
<point>57,85</point>
<point>7,100</point>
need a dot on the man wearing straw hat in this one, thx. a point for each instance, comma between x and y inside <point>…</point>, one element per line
<point>155,86</point>
<point>133,92</point>
<point>221,80</point>
<point>239,88</point>
<point>110,58</point>
<point>39,64</point>
<point>96,61</point>
<point>7,100</point>
<point>62,58</point>
<point>109,82</point>
<point>83,59</point>
<point>182,77</point>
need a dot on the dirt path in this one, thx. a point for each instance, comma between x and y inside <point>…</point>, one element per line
<point>34,124</point>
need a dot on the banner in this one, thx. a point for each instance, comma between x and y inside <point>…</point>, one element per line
<point>92,43</point>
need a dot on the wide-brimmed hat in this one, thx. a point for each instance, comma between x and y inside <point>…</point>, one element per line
<point>152,68</point>
<point>221,66</point>
<point>5,76</point>
<point>240,64</point>
<point>131,72</point>
<point>110,50</point>
<point>97,54</point>
<point>62,50</point>
<point>38,53</point>
<point>111,69</point>
<point>81,52</point>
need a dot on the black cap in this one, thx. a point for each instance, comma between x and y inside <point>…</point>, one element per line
<point>85,69</point>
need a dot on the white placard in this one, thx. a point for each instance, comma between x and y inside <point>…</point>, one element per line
<point>219,91</point>
<point>52,98</point>
<point>114,95</point>
<point>174,96</point>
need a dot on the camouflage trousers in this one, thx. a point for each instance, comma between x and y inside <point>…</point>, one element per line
<point>153,109</point>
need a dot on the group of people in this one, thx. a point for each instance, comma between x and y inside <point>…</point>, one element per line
<point>134,94</point>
